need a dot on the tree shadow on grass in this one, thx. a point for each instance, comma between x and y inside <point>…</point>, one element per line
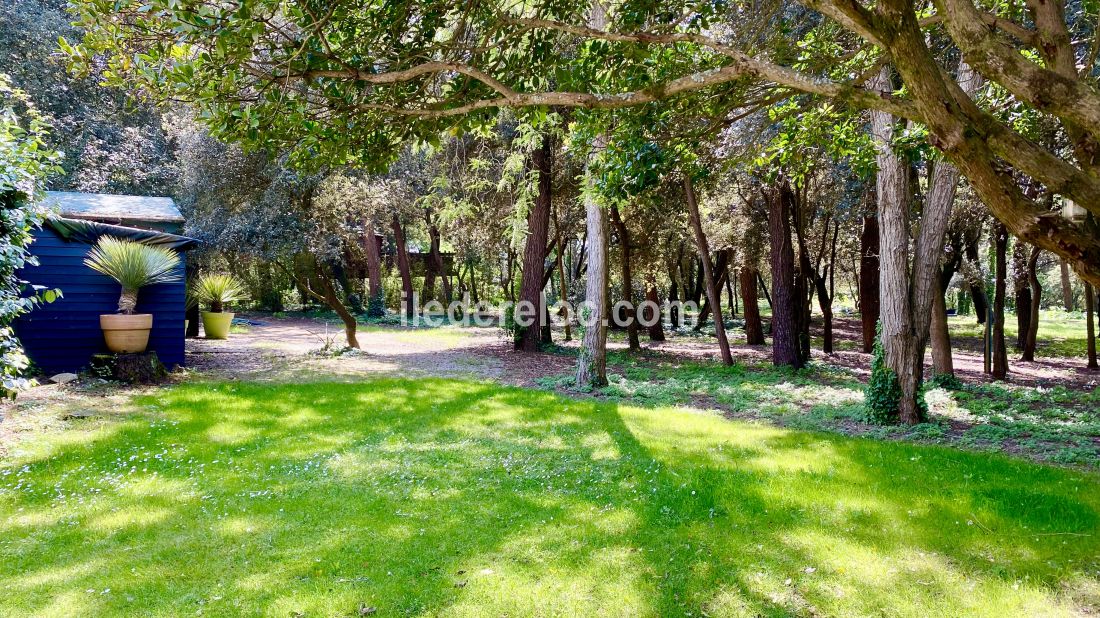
<point>441,496</point>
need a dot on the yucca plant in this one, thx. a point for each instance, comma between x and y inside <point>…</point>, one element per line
<point>133,265</point>
<point>218,290</point>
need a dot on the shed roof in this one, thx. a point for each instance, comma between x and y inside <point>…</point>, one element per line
<point>114,207</point>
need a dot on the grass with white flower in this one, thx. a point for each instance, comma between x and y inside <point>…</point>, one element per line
<point>456,498</point>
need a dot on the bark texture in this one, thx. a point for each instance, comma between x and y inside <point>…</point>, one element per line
<point>754,329</point>
<point>1000,350</point>
<point>1067,286</point>
<point>868,280</point>
<point>785,345</point>
<point>908,283</point>
<point>534,252</point>
<point>592,359</point>
<point>942,361</point>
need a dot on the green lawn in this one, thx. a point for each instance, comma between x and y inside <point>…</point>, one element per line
<point>442,497</point>
<point>1061,334</point>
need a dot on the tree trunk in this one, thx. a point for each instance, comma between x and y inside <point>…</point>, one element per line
<point>708,269</point>
<point>1000,351</point>
<point>657,328</point>
<point>720,271</point>
<point>1090,325</point>
<point>373,250</point>
<point>534,253</point>
<point>1067,287</point>
<point>332,299</point>
<point>977,289</point>
<point>674,293</point>
<point>1032,336</point>
<point>627,277</point>
<point>592,359</point>
<point>785,345</point>
<point>403,267</point>
<point>825,303</point>
<point>908,289</point>
<point>729,296</point>
<point>942,360</point>
<point>868,280</point>
<point>434,263</point>
<point>1023,293</point>
<point>698,284</point>
<point>754,330</point>
<point>564,294</point>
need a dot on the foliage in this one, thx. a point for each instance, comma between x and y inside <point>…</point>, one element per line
<point>883,392</point>
<point>133,265</point>
<point>376,306</point>
<point>105,143</point>
<point>218,289</point>
<point>448,497</point>
<point>25,163</point>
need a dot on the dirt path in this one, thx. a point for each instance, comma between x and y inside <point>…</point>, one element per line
<point>282,348</point>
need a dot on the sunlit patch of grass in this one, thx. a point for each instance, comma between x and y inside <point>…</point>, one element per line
<point>445,336</point>
<point>446,497</point>
<point>1061,334</point>
<point>1055,424</point>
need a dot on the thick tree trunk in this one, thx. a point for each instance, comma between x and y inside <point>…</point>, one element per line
<point>373,250</point>
<point>754,329</point>
<point>868,280</point>
<point>403,267</point>
<point>785,298</point>
<point>627,280</point>
<point>1000,351</point>
<point>908,289</point>
<point>708,269</point>
<point>1090,325</point>
<point>942,361</point>
<point>1067,286</point>
<point>534,253</point>
<point>592,359</point>
<point>653,313</point>
<point>1031,338</point>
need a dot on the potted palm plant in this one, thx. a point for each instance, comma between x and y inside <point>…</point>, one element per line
<point>217,290</point>
<point>133,265</point>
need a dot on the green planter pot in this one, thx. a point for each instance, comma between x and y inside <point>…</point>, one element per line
<point>216,325</point>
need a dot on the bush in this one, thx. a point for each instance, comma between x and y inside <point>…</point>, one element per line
<point>25,161</point>
<point>355,303</point>
<point>883,390</point>
<point>376,306</point>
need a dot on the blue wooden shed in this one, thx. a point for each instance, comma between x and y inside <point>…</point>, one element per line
<point>64,335</point>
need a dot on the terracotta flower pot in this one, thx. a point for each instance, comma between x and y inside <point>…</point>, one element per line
<point>216,325</point>
<point>126,334</point>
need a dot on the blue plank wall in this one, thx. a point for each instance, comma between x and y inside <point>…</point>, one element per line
<point>63,335</point>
